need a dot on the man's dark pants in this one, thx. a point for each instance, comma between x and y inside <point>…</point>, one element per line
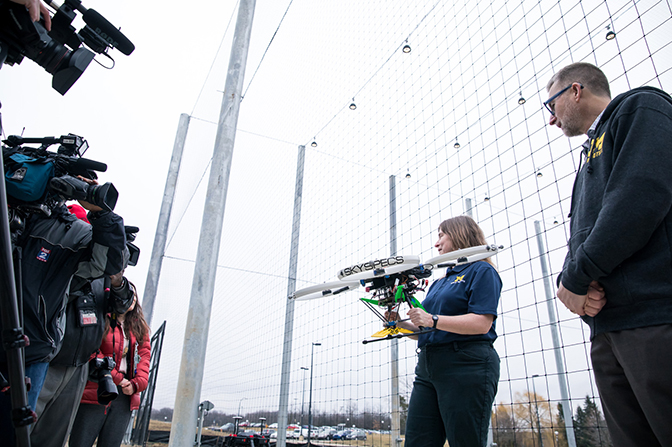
<point>633,370</point>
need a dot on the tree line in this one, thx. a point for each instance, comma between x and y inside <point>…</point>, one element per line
<point>531,421</point>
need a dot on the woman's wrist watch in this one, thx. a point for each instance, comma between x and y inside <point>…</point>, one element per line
<point>435,319</point>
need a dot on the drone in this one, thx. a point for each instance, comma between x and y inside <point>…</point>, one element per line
<point>393,282</point>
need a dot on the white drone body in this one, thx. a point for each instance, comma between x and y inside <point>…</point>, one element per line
<point>393,281</point>
<point>351,277</point>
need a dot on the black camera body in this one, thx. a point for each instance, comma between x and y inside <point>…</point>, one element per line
<point>100,371</point>
<point>58,51</point>
<point>38,180</point>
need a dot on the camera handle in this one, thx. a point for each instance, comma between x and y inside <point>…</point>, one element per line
<point>13,339</point>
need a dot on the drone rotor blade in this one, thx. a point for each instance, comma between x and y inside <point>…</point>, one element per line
<point>323,290</point>
<point>465,255</point>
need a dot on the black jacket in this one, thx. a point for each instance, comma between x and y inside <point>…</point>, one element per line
<point>53,249</point>
<point>85,316</point>
<point>621,214</point>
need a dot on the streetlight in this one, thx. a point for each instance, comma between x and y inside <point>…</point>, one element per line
<point>536,405</point>
<point>303,393</point>
<point>241,401</point>
<point>310,397</point>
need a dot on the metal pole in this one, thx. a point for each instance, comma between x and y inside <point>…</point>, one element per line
<point>161,235</point>
<point>303,393</point>
<point>310,398</point>
<point>200,425</point>
<point>468,208</point>
<point>395,405</point>
<point>289,310</point>
<point>559,362</point>
<point>182,431</point>
<point>536,406</point>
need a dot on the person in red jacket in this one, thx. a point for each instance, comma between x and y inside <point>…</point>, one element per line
<point>126,340</point>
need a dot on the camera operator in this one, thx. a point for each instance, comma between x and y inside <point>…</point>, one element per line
<point>35,8</point>
<point>54,248</point>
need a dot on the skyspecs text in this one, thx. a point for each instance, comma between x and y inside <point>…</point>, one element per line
<point>371,265</point>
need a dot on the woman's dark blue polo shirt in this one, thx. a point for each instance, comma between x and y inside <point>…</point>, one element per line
<point>469,288</point>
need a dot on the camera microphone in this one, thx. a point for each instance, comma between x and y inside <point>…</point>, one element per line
<point>107,31</point>
<point>84,164</point>
<point>99,24</point>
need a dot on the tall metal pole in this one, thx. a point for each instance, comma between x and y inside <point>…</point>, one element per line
<point>536,407</point>
<point>395,405</point>
<point>310,398</point>
<point>289,310</point>
<point>161,235</point>
<point>559,362</point>
<point>303,393</point>
<point>183,430</point>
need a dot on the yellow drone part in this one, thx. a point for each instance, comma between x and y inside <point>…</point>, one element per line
<point>390,331</point>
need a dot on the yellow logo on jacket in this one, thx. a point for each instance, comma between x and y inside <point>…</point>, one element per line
<point>596,147</point>
<point>458,279</point>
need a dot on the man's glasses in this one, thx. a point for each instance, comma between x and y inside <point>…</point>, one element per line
<point>547,103</point>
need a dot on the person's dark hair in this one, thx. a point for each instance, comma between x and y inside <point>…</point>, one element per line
<point>134,320</point>
<point>585,74</point>
<point>464,232</point>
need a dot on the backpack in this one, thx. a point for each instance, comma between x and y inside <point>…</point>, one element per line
<point>27,178</point>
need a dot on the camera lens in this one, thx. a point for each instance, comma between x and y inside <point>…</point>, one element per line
<point>105,196</point>
<point>107,390</point>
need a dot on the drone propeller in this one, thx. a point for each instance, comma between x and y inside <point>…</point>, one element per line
<point>324,289</point>
<point>464,256</point>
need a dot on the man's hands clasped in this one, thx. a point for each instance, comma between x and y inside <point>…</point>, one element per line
<point>589,304</point>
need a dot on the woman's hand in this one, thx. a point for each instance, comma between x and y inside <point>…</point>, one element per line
<point>394,316</point>
<point>127,387</point>
<point>420,318</point>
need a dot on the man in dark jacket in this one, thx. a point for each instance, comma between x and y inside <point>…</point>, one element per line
<point>618,272</point>
<point>53,249</point>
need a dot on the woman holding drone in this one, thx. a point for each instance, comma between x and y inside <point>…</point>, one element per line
<point>458,367</point>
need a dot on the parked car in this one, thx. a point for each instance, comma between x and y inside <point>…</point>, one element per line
<point>343,434</point>
<point>359,435</point>
<point>326,433</point>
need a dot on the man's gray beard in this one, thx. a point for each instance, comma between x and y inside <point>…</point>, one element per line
<point>571,125</point>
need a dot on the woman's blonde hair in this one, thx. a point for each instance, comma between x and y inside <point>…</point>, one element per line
<point>464,232</point>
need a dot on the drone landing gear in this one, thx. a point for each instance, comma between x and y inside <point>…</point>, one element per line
<point>391,330</point>
<point>395,332</point>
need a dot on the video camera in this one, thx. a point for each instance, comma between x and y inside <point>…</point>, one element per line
<point>20,36</point>
<point>38,180</point>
